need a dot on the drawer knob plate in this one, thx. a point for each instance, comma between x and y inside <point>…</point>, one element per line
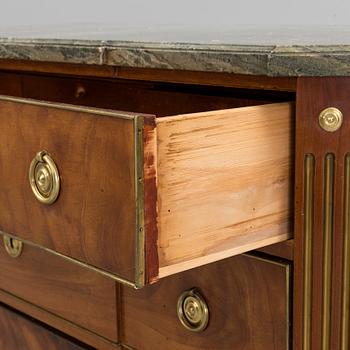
<point>44,178</point>
<point>193,311</point>
<point>13,246</point>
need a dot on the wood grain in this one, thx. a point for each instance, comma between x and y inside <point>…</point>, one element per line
<point>248,302</point>
<point>321,281</point>
<point>283,250</point>
<point>57,322</point>
<point>224,183</point>
<point>136,96</point>
<point>18,333</point>
<point>162,75</point>
<point>93,219</point>
<point>150,200</point>
<point>64,289</point>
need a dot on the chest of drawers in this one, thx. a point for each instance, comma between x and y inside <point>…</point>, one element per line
<point>165,204</point>
<point>140,198</point>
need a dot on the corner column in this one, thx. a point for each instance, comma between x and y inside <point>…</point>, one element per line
<point>322,214</point>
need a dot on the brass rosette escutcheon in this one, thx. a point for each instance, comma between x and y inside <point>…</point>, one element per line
<point>44,178</point>
<point>193,311</point>
<point>330,119</point>
<point>12,246</point>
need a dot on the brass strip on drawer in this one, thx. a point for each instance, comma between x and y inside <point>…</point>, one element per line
<point>289,289</point>
<point>345,321</point>
<point>74,261</point>
<point>328,203</point>
<point>309,171</point>
<point>67,107</point>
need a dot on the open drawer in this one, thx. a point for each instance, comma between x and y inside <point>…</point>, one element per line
<point>138,197</point>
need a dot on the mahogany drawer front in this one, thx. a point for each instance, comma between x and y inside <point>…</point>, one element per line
<point>19,333</point>
<point>73,293</point>
<point>93,219</point>
<point>248,300</point>
<point>142,197</point>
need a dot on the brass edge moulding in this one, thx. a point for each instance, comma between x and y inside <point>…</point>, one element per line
<point>12,246</point>
<point>139,196</point>
<point>345,316</point>
<point>68,107</point>
<point>193,311</point>
<point>309,173</point>
<point>74,261</point>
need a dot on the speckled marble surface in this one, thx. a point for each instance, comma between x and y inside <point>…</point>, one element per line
<point>284,51</point>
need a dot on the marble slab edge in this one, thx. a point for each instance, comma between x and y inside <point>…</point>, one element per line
<point>240,59</point>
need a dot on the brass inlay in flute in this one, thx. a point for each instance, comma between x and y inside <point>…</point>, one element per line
<point>328,209</point>
<point>309,170</point>
<point>345,322</point>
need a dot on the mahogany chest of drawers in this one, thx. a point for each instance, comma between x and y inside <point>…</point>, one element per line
<point>148,208</point>
<point>112,184</point>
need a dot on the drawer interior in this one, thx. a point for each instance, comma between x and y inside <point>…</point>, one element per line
<point>160,99</point>
<point>223,183</point>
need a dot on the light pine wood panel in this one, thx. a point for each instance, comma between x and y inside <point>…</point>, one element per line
<point>224,183</point>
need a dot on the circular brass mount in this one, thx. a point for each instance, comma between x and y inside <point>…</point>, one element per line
<point>330,119</point>
<point>193,311</point>
<point>13,246</point>
<point>44,178</point>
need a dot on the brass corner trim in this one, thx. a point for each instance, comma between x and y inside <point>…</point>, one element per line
<point>140,272</point>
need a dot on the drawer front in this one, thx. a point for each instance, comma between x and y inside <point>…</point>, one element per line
<point>19,333</point>
<point>93,219</point>
<point>247,297</point>
<point>73,293</point>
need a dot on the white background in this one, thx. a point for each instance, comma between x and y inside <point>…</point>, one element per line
<point>215,13</point>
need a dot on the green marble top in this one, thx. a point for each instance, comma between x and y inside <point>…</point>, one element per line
<point>280,51</point>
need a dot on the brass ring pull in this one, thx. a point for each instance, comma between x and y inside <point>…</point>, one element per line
<point>44,178</point>
<point>193,311</point>
<point>13,246</point>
